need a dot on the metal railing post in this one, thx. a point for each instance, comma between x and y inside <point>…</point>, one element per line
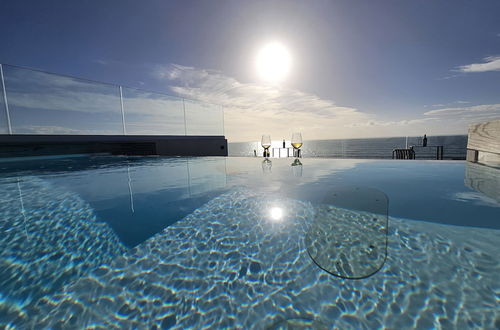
<point>123,112</point>
<point>185,125</point>
<point>7,113</point>
<point>223,122</point>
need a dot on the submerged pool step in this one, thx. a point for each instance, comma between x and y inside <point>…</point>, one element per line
<point>348,237</point>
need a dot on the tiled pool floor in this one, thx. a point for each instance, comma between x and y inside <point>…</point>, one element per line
<point>229,265</point>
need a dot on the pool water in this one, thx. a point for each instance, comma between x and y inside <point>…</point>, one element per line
<point>153,242</point>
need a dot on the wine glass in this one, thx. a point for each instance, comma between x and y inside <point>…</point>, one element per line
<point>297,168</point>
<point>296,143</point>
<point>266,143</point>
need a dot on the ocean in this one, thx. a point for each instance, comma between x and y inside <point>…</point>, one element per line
<point>454,146</point>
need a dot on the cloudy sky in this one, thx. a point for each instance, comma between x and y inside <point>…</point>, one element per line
<point>357,68</point>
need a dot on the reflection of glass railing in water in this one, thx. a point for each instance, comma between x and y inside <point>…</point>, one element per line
<point>130,188</point>
<point>22,210</point>
<point>348,237</point>
<point>201,176</point>
<point>36,102</point>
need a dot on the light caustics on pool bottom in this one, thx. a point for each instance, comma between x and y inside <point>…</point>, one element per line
<point>49,237</point>
<point>242,260</point>
<point>231,264</point>
<point>348,237</point>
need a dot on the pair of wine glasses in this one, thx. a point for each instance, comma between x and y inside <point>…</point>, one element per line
<point>296,143</point>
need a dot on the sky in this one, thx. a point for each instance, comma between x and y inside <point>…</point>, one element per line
<point>358,68</point>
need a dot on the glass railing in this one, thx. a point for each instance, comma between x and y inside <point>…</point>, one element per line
<point>203,118</point>
<point>37,102</point>
<point>148,113</point>
<point>4,122</point>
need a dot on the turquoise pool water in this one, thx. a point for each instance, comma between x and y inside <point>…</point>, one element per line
<point>146,242</point>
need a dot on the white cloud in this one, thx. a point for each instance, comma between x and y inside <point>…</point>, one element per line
<point>101,62</point>
<point>440,105</point>
<point>252,109</point>
<point>36,129</point>
<point>491,63</point>
<point>459,118</point>
<point>214,87</point>
<point>475,110</point>
<point>88,102</point>
<point>398,123</point>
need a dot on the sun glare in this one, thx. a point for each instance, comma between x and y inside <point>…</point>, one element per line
<point>273,62</point>
<point>276,213</point>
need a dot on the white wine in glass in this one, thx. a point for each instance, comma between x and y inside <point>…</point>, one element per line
<point>296,143</point>
<point>296,140</point>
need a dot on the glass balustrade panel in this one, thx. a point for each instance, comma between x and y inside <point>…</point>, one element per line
<point>203,118</point>
<point>4,127</point>
<point>148,113</point>
<point>45,103</point>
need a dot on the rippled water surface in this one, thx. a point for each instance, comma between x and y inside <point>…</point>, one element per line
<point>144,242</point>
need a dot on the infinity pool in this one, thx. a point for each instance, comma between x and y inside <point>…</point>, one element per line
<point>151,242</point>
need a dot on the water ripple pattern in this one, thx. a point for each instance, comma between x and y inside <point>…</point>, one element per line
<point>233,263</point>
<point>346,243</point>
<point>49,238</point>
<point>348,237</point>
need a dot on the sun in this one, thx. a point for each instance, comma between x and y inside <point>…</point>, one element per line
<point>276,214</point>
<point>273,62</point>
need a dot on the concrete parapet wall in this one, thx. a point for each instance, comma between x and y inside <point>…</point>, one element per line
<point>483,144</point>
<point>39,145</point>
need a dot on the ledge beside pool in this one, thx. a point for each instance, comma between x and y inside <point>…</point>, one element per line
<point>483,145</point>
<point>164,145</point>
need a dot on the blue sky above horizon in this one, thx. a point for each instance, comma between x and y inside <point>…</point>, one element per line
<point>359,68</point>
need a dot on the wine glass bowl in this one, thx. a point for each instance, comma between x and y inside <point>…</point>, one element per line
<point>296,143</point>
<point>266,143</point>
